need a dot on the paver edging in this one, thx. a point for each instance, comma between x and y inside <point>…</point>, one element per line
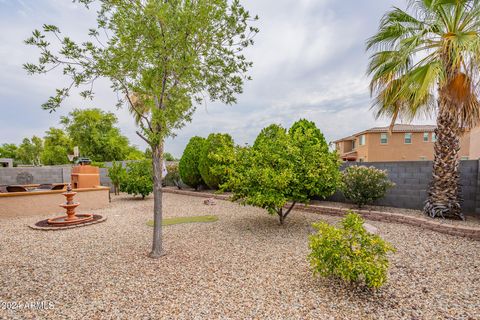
<point>462,231</point>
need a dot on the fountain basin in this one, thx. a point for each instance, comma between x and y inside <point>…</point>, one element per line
<point>66,220</point>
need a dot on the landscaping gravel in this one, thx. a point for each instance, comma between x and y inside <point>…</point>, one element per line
<point>244,266</point>
<point>470,220</point>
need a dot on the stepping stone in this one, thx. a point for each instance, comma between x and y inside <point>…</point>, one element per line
<point>209,202</point>
<point>370,229</point>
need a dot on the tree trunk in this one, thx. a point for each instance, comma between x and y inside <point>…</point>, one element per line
<point>280,216</point>
<point>283,215</point>
<point>444,193</point>
<point>157,155</point>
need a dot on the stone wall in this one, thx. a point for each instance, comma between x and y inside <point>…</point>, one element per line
<point>34,175</point>
<point>48,174</point>
<point>412,179</point>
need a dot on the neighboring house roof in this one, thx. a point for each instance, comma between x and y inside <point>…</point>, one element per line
<point>396,128</point>
<point>405,128</point>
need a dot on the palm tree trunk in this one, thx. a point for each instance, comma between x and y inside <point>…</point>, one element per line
<point>157,155</point>
<point>444,193</point>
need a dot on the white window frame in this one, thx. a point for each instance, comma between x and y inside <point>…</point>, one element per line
<point>434,137</point>
<point>383,136</point>
<point>405,138</point>
<point>426,135</point>
<point>362,140</point>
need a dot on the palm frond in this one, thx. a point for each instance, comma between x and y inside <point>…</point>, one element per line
<point>432,48</point>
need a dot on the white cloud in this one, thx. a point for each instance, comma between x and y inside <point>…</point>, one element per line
<point>309,62</point>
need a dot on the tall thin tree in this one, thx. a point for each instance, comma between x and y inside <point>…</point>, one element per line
<point>170,55</point>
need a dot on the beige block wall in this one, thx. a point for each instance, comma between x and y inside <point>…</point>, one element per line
<point>46,204</point>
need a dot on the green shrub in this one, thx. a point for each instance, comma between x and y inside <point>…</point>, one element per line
<point>363,185</point>
<point>116,173</point>
<point>349,252</point>
<point>317,168</point>
<point>98,164</point>
<point>216,159</point>
<point>282,168</point>
<point>167,156</point>
<point>188,165</point>
<point>138,179</point>
<point>173,177</point>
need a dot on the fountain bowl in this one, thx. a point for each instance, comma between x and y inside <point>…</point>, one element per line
<point>64,220</point>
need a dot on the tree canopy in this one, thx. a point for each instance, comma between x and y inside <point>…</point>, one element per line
<point>188,166</point>
<point>96,135</point>
<point>8,150</point>
<point>56,148</point>
<point>284,167</point>
<point>29,151</point>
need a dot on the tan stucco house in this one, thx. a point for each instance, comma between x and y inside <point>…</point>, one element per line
<point>404,143</point>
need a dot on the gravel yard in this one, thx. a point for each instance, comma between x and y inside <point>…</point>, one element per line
<point>243,266</point>
<point>470,220</point>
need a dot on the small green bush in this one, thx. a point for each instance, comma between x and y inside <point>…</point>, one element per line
<point>138,179</point>
<point>349,252</point>
<point>116,173</point>
<point>216,159</point>
<point>363,185</point>
<point>172,178</point>
<point>188,165</point>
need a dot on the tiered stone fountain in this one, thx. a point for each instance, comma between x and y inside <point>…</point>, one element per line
<point>71,217</point>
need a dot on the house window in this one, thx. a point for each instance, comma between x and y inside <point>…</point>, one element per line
<point>408,138</point>
<point>425,137</point>
<point>434,137</point>
<point>353,144</point>
<point>383,138</point>
<point>362,140</point>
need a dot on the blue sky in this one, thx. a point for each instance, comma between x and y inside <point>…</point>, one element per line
<point>309,62</point>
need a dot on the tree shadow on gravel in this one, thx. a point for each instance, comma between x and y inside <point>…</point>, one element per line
<point>382,298</point>
<point>269,223</point>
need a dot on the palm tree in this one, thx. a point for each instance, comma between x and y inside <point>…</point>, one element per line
<point>431,51</point>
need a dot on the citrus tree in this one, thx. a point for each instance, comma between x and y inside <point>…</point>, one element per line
<point>137,179</point>
<point>284,167</point>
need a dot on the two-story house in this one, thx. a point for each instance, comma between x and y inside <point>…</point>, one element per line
<point>404,143</point>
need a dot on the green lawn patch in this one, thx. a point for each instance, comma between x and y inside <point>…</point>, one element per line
<point>180,220</point>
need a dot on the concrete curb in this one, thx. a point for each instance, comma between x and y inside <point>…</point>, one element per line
<point>425,223</point>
